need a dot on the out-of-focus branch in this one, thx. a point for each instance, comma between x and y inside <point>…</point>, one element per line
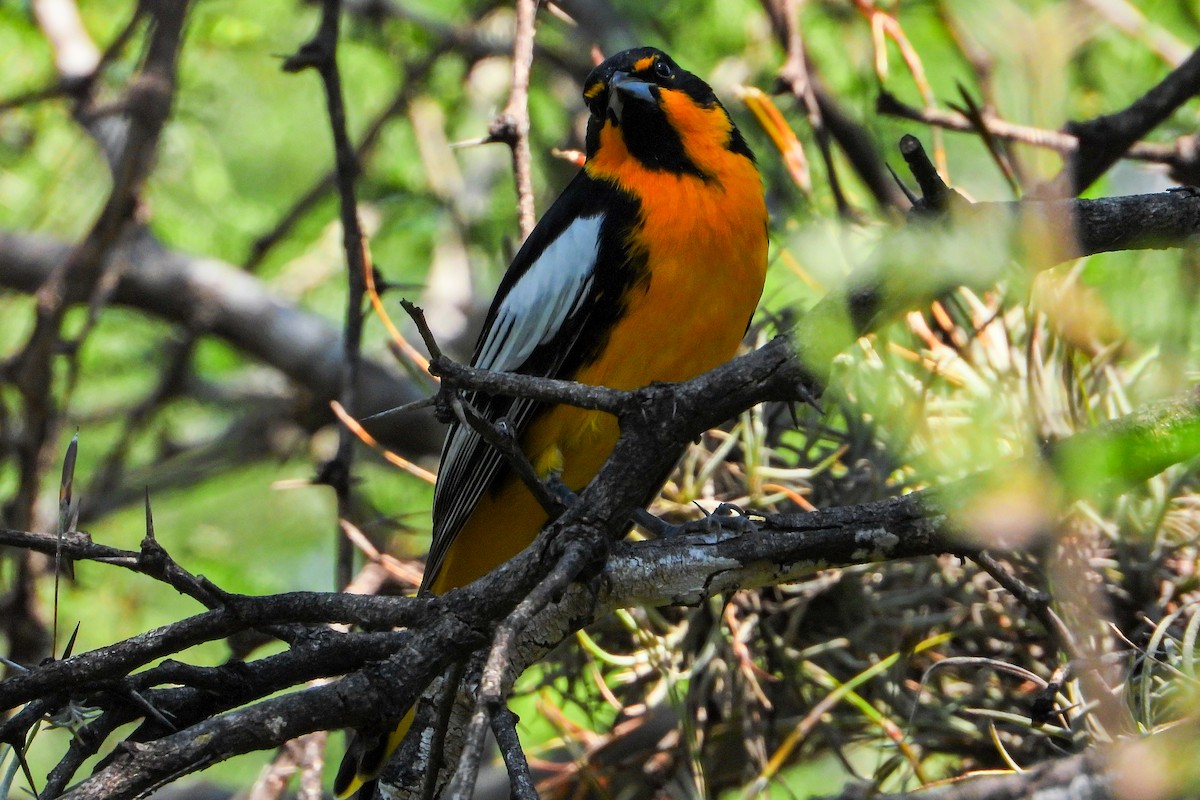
<point>601,23</point>
<point>861,149</point>
<point>1103,140</point>
<point>220,300</point>
<point>794,74</point>
<point>986,237</point>
<point>828,119</point>
<point>75,55</point>
<point>1128,18</point>
<point>511,126</point>
<point>1182,158</point>
<point>320,53</point>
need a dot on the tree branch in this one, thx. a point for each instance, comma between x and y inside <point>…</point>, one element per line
<point>216,298</point>
<point>1182,158</point>
<point>1103,140</point>
<point>512,124</point>
<point>678,570</point>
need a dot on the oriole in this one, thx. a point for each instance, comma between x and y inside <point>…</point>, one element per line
<point>647,268</point>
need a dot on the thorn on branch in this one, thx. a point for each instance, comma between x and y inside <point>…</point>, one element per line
<point>913,199</point>
<point>154,560</point>
<point>937,197</point>
<point>417,314</point>
<point>504,129</point>
<point>334,474</point>
<point>313,54</point>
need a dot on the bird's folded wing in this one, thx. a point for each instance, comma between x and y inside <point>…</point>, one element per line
<point>550,309</point>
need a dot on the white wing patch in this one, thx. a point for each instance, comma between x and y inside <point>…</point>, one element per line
<point>532,313</point>
<point>541,300</point>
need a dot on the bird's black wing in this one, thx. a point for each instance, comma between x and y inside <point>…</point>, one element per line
<point>552,313</point>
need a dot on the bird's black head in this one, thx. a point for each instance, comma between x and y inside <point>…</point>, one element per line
<point>639,75</point>
<point>642,93</point>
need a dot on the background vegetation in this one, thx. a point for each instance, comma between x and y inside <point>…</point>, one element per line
<point>227,443</point>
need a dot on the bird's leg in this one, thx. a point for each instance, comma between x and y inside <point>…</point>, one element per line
<point>655,525</point>
<point>500,435</point>
<point>560,490</point>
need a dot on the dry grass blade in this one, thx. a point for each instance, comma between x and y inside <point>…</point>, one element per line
<point>366,438</point>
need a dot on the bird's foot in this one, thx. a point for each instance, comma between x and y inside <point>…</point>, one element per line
<point>562,493</point>
<point>725,518</point>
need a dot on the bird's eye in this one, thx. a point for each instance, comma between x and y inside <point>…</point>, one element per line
<point>662,69</point>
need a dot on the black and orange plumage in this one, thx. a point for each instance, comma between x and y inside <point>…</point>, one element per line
<point>648,267</point>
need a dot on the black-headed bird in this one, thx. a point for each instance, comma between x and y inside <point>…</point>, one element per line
<point>648,267</point>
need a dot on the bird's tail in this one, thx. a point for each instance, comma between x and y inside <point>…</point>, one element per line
<point>365,758</point>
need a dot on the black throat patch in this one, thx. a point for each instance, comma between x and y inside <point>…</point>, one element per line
<point>649,137</point>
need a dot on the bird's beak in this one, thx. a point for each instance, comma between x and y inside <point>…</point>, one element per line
<point>625,83</point>
<point>622,85</point>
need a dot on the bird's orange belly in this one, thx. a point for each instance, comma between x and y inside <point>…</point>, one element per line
<point>668,334</point>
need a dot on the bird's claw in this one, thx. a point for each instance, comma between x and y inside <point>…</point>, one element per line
<point>561,491</point>
<point>725,518</point>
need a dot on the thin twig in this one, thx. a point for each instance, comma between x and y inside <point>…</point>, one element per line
<point>795,76</point>
<point>1126,16</point>
<point>1182,157</point>
<point>320,53</point>
<point>1003,159</point>
<point>511,126</point>
<point>497,677</point>
<point>513,384</point>
<point>520,780</point>
<point>501,438</point>
<point>1035,600</point>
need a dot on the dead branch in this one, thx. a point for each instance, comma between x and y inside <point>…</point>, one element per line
<point>512,125</point>
<point>1103,140</point>
<point>320,53</point>
<point>385,671</point>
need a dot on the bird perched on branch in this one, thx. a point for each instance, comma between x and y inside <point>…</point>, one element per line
<point>647,268</point>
